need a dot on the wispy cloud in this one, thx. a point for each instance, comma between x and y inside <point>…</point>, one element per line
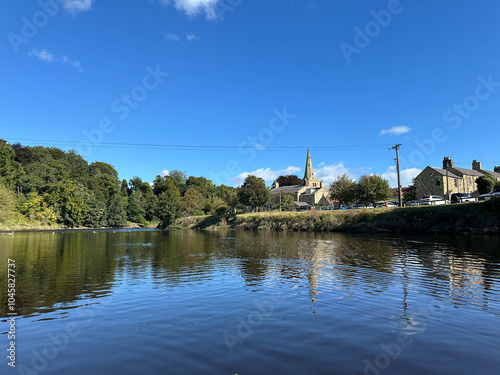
<point>407,175</point>
<point>76,6</point>
<point>396,130</point>
<point>164,173</point>
<point>45,55</point>
<point>191,37</point>
<point>171,37</point>
<point>269,175</point>
<point>42,54</point>
<point>194,7</point>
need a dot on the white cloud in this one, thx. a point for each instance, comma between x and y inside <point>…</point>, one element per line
<point>328,173</point>
<point>76,6</point>
<point>406,176</point>
<point>172,37</point>
<point>191,37</point>
<point>164,173</point>
<point>396,130</point>
<point>45,55</point>
<point>194,7</point>
<point>42,54</point>
<point>267,174</point>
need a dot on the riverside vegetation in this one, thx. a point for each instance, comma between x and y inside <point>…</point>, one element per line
<point>480,217</point>
<point>46,187</point>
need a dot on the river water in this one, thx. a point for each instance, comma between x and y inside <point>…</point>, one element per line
<point>235,302</point>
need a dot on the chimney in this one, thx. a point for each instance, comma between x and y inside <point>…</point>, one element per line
<point>497,169</point>
<point>447,163</point>
<point>476,165</point>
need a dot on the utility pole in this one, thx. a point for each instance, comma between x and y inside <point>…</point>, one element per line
<point>396,147</point>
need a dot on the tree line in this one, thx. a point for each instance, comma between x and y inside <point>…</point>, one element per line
<point>49,186</point>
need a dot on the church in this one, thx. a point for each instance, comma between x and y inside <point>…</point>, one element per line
<point>312,192</point>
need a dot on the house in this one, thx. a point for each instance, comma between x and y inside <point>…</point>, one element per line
<point>312,191</point>
<point>451,179</point>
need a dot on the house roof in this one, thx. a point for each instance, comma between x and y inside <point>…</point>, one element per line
<point>286,189</point>
<point>491,173</point>
<point>444,172</point>
<point>468,172</point>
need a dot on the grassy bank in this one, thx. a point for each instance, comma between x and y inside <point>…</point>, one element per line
<point>25,225</point>
<point>480,217</point>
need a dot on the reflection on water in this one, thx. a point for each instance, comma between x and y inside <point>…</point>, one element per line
<point>344,293</point>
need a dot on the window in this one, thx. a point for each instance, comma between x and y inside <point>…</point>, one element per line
<point>438,182</point>
<point>470,180</point>
<point>456,183</point>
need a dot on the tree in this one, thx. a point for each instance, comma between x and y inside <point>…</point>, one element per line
<point>282,201</point>
<point>192,202</point>
<point>485,183</point>
<point>7,202</point>
<point>168,202</point>
<point>117,216</point>
<point>289,180</point>
<point>373,188</point>
<point>343,189</point>
<point>206,186</point>
<point>253,192</point>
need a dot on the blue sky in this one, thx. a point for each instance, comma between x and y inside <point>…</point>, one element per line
<point>262,79</point>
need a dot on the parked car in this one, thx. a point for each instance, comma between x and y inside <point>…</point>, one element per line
<point>362,205</point>
<point>462,197</point>
<point>434,200</point>
<point>415,202</point>
<point>385,204</point>
<point>493,194</point>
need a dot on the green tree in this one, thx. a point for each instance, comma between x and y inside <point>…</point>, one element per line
<point>192,202</point>
<point>289,180</point>
<point>206,187</point>
<point>168,202</point>
<point>253,192</point>
<point>219,207</point>
<point>485,183</point>
<point>7,204</point>
<point>179,178</point>
<point>136,210</point>
<point>343,189</point>
<point>282,201</point>
<point>117,217</point>
<point>373,188</point>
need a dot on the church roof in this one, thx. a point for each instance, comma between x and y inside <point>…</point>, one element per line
<point>286,189</point>
<point>309,172</point>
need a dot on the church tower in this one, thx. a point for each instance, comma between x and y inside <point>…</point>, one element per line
<point>309,179</point>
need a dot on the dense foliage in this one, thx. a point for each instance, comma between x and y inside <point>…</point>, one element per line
<point>289,180</point>
<point>49,186</point>
<point>486,183</point>
<point>368,189</point>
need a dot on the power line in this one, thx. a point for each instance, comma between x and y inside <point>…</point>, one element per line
<point>256,147</point>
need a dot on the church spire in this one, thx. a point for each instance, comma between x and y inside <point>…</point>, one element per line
<point>309,173</point>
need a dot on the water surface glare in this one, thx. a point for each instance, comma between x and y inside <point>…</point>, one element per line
<point>234,302</point>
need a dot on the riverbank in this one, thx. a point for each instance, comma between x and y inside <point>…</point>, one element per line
<point>479,217</point>
<point>36,226</point>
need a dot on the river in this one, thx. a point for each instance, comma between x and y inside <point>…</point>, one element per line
<point>236,302</point>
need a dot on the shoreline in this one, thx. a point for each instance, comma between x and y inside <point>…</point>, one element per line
<point>466,218</point>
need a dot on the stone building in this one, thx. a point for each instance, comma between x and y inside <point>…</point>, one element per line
<point>451,179</point>
<point>312,191</point>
